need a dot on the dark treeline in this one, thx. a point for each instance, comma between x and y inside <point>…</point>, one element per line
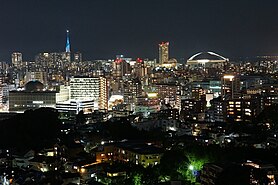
<point>32,129</point>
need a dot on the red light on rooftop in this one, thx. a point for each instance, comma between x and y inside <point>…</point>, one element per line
<point>139,60</point>
<point>118,60</point>
<point>164,43</point>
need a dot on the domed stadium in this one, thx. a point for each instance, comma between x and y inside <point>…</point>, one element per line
<point>33,86</point>
<point>207,59</point>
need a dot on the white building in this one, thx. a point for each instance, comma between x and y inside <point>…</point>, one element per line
<point>206,59</point>
<point>90,88</point>
<point>75,106</point>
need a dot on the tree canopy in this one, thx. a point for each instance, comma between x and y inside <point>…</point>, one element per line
<point>31,129</point>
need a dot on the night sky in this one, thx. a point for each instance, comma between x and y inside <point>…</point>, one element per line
<point>100,29</point>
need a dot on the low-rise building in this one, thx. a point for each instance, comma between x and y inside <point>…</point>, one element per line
<point>209,173</point>
<point>137,153</point>
<point>35,96</point>
<point>140,154</point>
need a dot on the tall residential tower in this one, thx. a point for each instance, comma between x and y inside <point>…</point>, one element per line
<point>163,53</point>
<point>17,59</point>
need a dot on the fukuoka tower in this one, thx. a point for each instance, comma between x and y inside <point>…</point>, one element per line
<point>68,43</point>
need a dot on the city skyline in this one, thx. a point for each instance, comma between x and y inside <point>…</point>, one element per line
<point>150,92</point>
<point>102,29</point>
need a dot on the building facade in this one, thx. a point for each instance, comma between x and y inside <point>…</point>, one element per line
<point>90,88</point>
<point>17,59</point>
<point>163,52</point>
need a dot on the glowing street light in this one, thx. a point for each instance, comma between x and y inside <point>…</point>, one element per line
<point>191,167</point>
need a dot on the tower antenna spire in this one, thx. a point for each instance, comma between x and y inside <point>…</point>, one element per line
<point>68,42</point>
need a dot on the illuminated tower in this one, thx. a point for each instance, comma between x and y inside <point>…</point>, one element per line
<point>163,52</point>
<point>68,43</point>
<point>67,53</point>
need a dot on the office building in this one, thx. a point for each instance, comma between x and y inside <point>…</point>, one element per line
<point>1,93</point>
<point>139,69</point>
<point>230,87</point>
<point>36,76</point>
<point>192,108</point>
<point>90,88</point>
<point>51,60</point>
<point>77,57</point>
<point>163,52</point>
<point>73,107</point>
<point>17,59</point>
<point>169,94</point>
<point>120,68</point>
<point>132,90</point>
<point>35,96</point>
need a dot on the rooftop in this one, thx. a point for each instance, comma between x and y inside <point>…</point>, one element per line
<point>140,148</point>
<point>207,56</point>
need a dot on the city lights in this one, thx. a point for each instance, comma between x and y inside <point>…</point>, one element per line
<point>145,92</point>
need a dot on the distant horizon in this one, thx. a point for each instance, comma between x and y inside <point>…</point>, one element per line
<point>180,60</point>
<point>105,28</point>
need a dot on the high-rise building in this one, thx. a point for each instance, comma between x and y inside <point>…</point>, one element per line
<point>132,90</point>
<point>44,60</point>
<point>51,60</point>
<point>120,68</point>
<point>139,69</point>
<point>163,52</point>
<point>191,108</point>
<point>77,57</point>
<point>103,94</point>
<point>230,87</point>
<point>17,59</point>
<point>4,66</point>
<point>36,75</point>
<point>169,94</point>
<point>1,92</point>
<point>90,88</point>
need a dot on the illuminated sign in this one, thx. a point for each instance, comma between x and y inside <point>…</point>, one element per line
<point>37,102</point>
<point>152,95</point>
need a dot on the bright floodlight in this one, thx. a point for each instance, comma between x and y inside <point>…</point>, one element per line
<point>203,61</point>
<point>191,167</point>
<point>229,76</point>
